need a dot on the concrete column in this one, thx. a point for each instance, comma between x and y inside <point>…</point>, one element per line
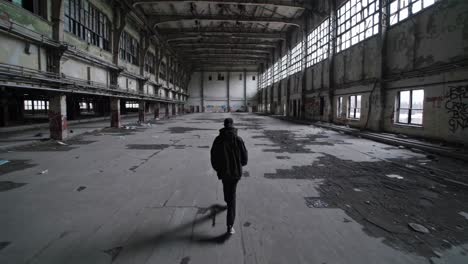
<point>141,111</point>
<point>156,110</point>
<point>58,117</point>
<point>115,112</point>
<point>228,92</point>
<point>202,92</point>
<point>245,91</point>
<point>5,118</point>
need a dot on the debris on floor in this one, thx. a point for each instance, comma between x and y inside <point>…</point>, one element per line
<point>394,176</point>
<point>44,171</point>
<point>418,228</point>
<point>2,162</point>
<point>81,188</point>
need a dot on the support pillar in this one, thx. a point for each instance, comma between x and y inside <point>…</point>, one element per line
<point>202,92</point>
<point>246,108</point>
<point>141,111</point>
<point>156,110</point>
<point>4,121</point>
<point>115,112</point>
<point>228,92</point>
<point>58,117</point>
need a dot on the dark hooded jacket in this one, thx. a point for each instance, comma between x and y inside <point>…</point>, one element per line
<point>228,154</point>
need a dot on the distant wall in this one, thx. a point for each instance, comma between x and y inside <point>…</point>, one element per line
<point>222,91</point>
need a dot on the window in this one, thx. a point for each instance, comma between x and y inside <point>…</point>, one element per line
<point>284,67</point>
<point>85,21</point>
<point>410,107</point>
<point>354,109</point>
<point>357,20</point>
<point>28,105</point>
<point>162,71</point>
<point>149,62</point>
<point>128,48</point>
<point>240,77</point>
<point>276,71</point>
<point>220,77</point>
<point>37,7</point>
<point>339,106</point>
<point>317,43</point>
<point>83,106</point>
<point>253,78</point>
<point>210,78</point>
<point>40,105</point>
<point>131,105</point>
<point>402,9</point>
<point>296,59</point>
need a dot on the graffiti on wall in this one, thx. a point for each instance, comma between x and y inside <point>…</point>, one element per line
<point>457,107</point>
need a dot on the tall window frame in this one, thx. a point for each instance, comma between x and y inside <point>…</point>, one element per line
<point>357,20</point>
<point>354,106</point>
<point>403,9</point>
<point>410,107</point>
<point>128,48</point>
<point>149,62</point>
<point>87,22</point>
<point>295,62</point>
<point>318,43</point>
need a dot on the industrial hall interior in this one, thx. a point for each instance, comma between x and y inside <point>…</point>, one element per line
<point>234,131</point>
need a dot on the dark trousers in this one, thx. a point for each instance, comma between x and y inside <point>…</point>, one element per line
<point>229,189</point>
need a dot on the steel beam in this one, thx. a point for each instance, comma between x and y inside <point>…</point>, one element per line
<point>219,18</point>
<point>278,3</point>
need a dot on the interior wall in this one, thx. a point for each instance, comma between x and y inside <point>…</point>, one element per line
<point>213,96</point>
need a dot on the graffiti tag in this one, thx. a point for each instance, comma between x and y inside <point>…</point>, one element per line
<point>457,107</point>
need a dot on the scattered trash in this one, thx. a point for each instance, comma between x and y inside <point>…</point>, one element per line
<point>418,228</point>
<point>247,224</point>
<point>62,143</point>
<point>424,161</point>
<point>409,166</point>
<point>437,253</point>
<point>394,176</point>
<point>401,147</point>
<point>44,172</point>
<point>312,202</point>
<point>368,202</point>
<point>81,188</point>
<point>464,214</point>
<point>357,190</point>
<point>2,162</point>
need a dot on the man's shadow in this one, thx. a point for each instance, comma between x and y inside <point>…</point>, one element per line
<point>173,235</point>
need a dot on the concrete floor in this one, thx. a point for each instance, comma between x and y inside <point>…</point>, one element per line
<point>148,195</point>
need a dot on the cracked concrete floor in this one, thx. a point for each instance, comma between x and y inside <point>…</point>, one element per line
<point>148,195</point>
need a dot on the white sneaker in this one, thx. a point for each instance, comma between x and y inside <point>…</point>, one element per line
<point>231,230</point>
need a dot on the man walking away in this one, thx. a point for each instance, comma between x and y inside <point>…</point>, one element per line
<point>228,155</point>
